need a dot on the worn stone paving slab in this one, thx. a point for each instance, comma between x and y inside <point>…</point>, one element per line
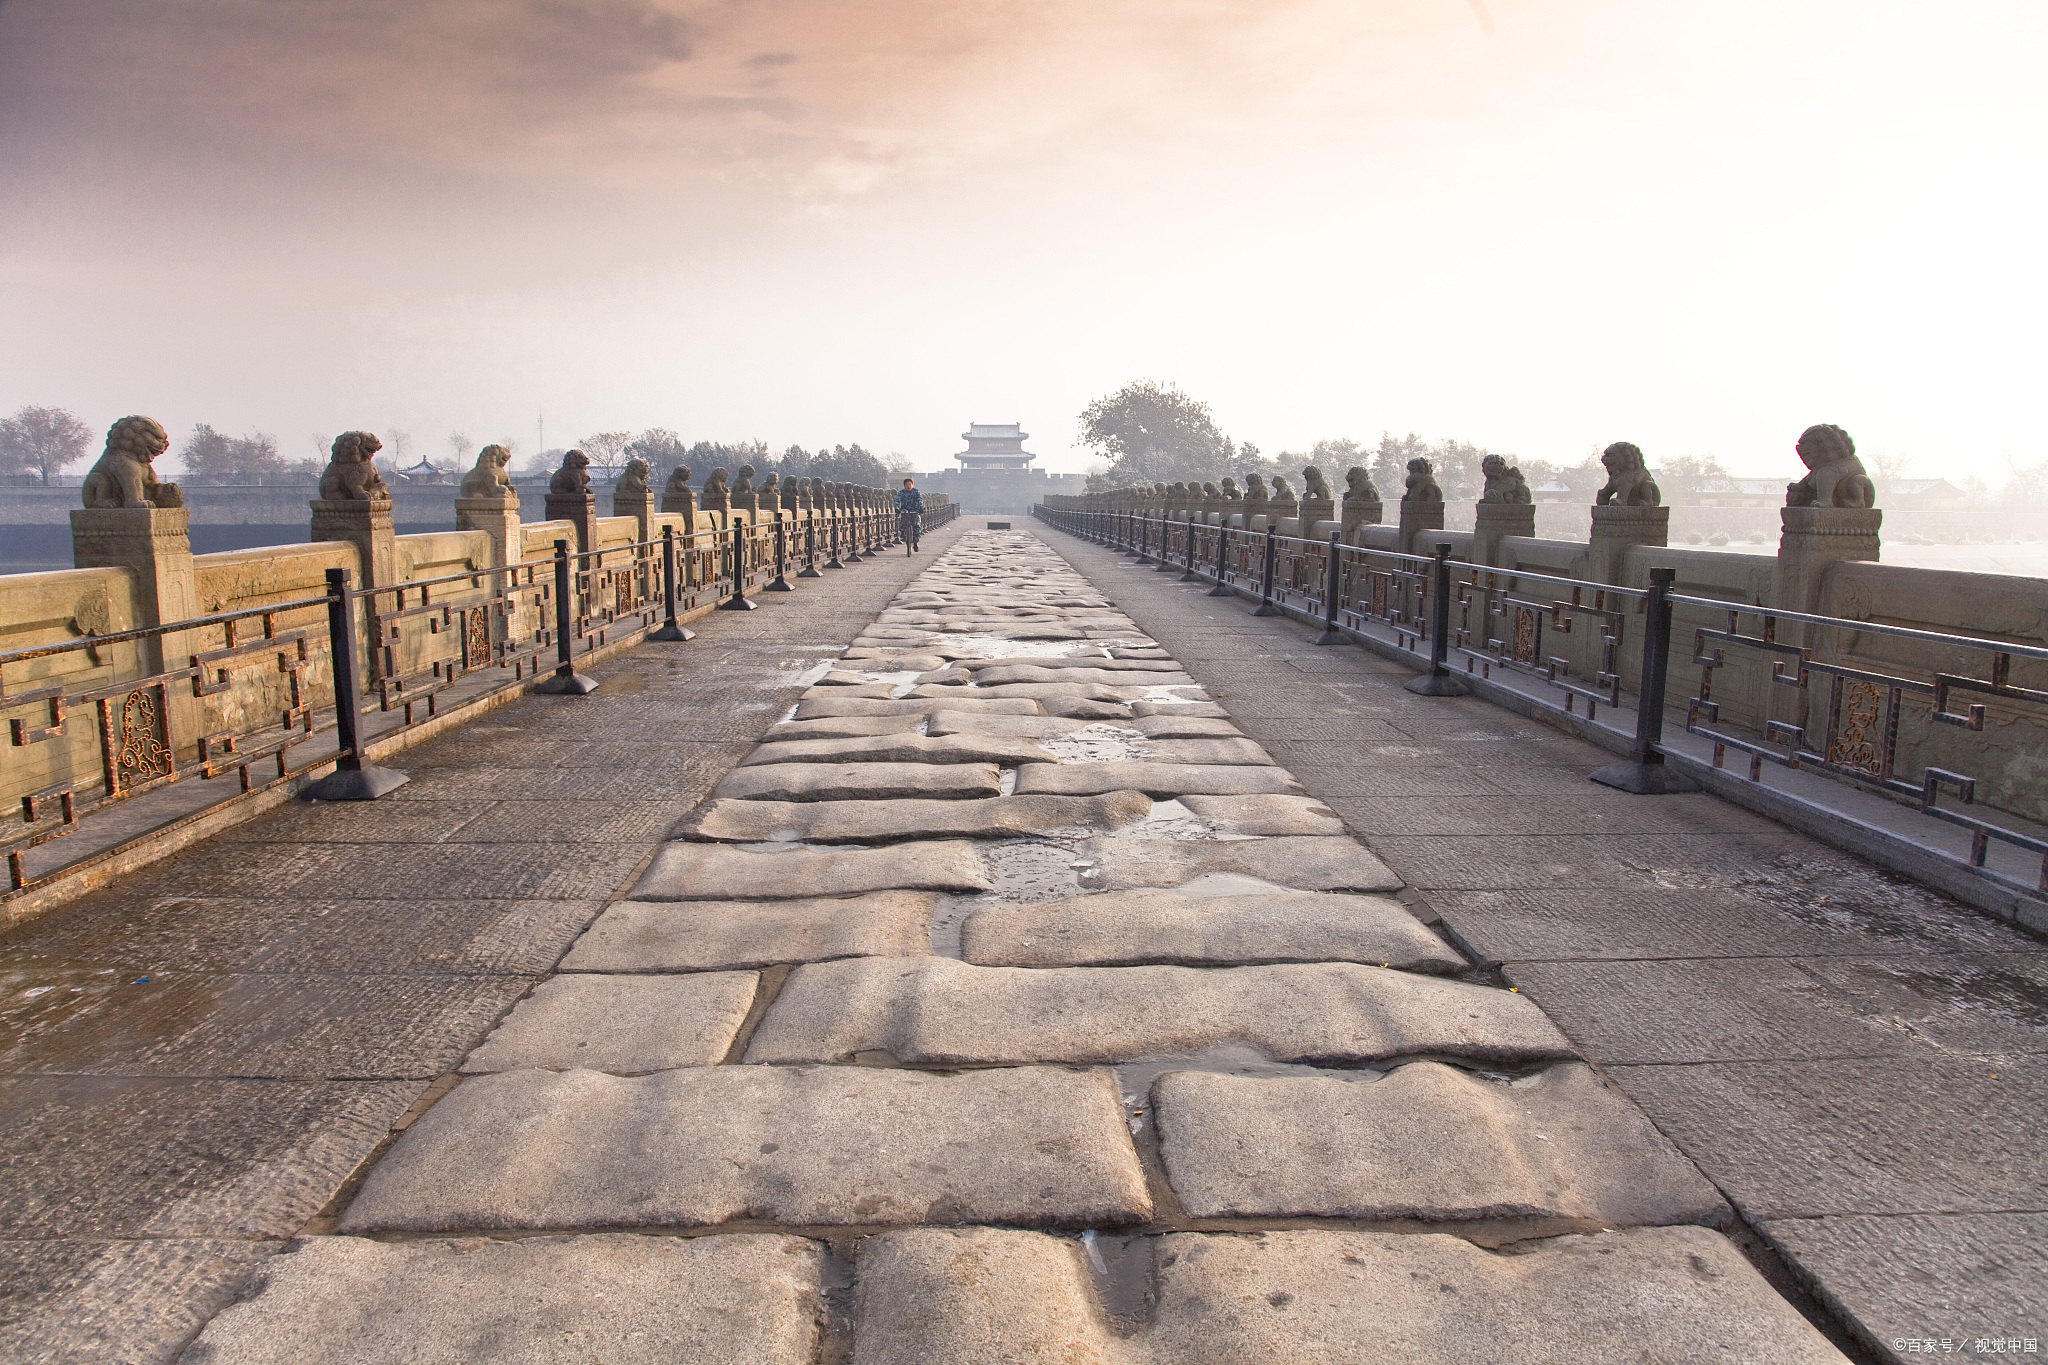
<point>1158,779</point>
<point>224,1158</point>
<point>1927,1276</point>
<point>1130,928</point>
<point>690,936</point>
<point>1207,751</point>
<point>900,748</point>
<point>1036,1146</point>
<point>614,1299</point>
<point>621,1024</point>
<point>74,1300</point>
<point>1265,815</point>
<point>1675,1296</point>
<point>861,782</point>
<point>844,727</point>
<point>685,871</point>
<point>1191,709</point>
<point>945,722</point>
<point>829,822</point>
<point>1427,1141</point>
<point>821,707</point>
<point>1072,673</point>
<point>1094,661</point>
<point>1184,727</point>
<point>1116,863</point>
<point>934,1011</point>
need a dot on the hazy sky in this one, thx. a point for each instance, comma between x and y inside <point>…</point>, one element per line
<point>1540,225</point>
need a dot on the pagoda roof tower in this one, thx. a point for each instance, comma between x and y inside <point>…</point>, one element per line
<point>994,445</point>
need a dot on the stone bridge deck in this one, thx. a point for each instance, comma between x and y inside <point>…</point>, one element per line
<point>1028,994</point>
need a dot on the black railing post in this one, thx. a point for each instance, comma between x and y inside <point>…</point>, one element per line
<point>567,682</point>
<point>352,779</point>
<point>810,568</point>
<point>670,628</point>
<point>1191,576</point>
<point>1222,588</point>
<point>1440,681</point>
<point>739,600</point>
<point>1644,772</point>
<point>1333,570</point>
<point>781,583</point>
<point>835,562</point>
<point>1266,606</point>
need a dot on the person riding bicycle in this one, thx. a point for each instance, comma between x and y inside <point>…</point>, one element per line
<point>909,515</point>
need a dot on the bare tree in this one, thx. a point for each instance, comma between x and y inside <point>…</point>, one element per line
<point>1886,468</point>
<point>211,456</point>
<point>603,447</point>
<point>397,452</point>
<point>43,440</point>
<point>461,447</point>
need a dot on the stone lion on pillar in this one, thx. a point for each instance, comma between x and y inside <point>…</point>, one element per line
<point>633,482</point>
<point>573,478</point>
<point>1628,481</point>
<point>716,497</point>
<point>1422,484</point>
<point>1358,485</point>
<point>1314,487</point>
<point>488,479</point>
<point>1504,483</point>
<point>122,477</point>
<point>1835,477</point>
<point>350,475</point>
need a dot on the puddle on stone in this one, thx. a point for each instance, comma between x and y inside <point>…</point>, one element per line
<point>1172,820</point>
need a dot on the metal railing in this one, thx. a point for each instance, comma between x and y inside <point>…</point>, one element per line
<point>1593,646</point>
<point>243,703</point>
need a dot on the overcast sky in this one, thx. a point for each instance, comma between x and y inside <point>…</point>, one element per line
<point>1539,225</point>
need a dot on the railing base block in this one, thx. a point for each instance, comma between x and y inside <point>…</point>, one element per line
<point>738,603</point>
<point>568,685</point>
<point>1438,685</point>
<point>1644,779</point>
<point>1330,635</point>
<point>809,573</point>
<point>780,585</point>
<point>366,783</point>
<point>1220,590</point>
<point>672,634</point>
<point>1267,609</point>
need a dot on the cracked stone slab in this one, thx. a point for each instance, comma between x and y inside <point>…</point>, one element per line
<point>850,687</point>
<point>1207,709</point>
<point>1426,1141</point>
<point>1238,750</point>
<point>696,936</point>
<point>1675,1296</point>
<point>70,1299</point>
<point>1305,863</point>
<point>934,1011</point>
<point>945,722</point>
<point>900,748</point>
<point>689,871</point>
<point>612,1299</point>
<point>888,660</point>
<point>819,708</point>
<point>1082,661</point>
<point>861,782</point>
<point>1081,708</point>
<point>1156,779</point>
<point>621,1024</point>
<point>1033,691</point>
<point>1131,928</point>
<point>1265,815</point>
<point>1037,1146</point>
<point>832,822</point>
<point>1184,727</point>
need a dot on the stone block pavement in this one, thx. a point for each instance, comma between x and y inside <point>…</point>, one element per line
<point>1080,1030</point>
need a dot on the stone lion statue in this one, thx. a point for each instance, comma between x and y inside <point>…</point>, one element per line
<point>1628,482</point>
<point>488,478</point>
<point>1422,484</point>
<point>819,498</point>
<point>1358,485</point>
<point>771,492</point>
<point>1282,495</point>
<point>676,494</point>
<point>122,477</point>
<point>1835,477</point>
<point>1255,489</point>
<point>573,478</point>
<point>1504,482</point>
<point>1314,487</point>
<point>744,487</point>
<point>350,475</point>
<point>1210,490</point>
<point>717,498</point>
<point>1230,492</point>
<point>632,483</point>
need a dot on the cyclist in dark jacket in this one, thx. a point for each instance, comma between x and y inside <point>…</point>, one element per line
<point>909,515</point>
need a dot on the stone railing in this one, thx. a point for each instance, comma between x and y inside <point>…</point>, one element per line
<point>185,663</point>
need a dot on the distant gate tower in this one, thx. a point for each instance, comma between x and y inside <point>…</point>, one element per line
<point>993,446</point>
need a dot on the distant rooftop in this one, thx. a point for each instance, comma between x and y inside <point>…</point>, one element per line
<point>995,431</point>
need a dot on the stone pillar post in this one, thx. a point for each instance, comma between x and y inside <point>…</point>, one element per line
<point>1493,522</point>
<point>1417,520</point>
<point>152,543</point>
<point>1617,530</point>
<point>579,508</point>
<point>1358,514</point>
<point>1314,510</point>
<point>1813,538</point>
<point>497,518</point>
<point>638,505</point>
<point>366,524</point>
